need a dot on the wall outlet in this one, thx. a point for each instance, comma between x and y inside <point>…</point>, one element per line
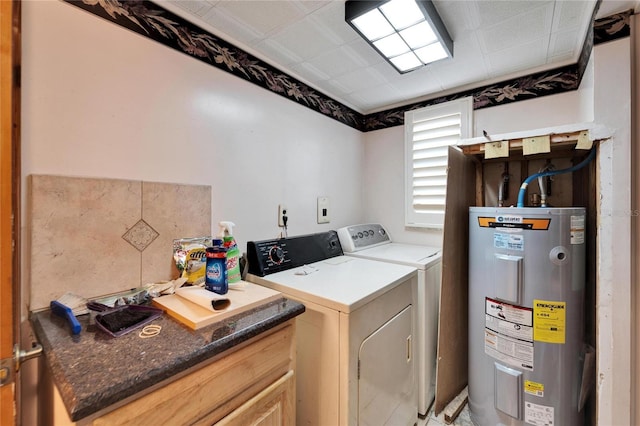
<point>282,212</point>
<point>323,210</point>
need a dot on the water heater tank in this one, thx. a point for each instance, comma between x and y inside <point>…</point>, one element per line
<point>526,294</point>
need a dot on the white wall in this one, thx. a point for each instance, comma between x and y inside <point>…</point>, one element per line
<point>101,101</point>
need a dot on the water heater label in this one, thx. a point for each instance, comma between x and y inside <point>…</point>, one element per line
<point>577,229</point>
<point>514,222</point>
<point>507,218</point>
<point>508,335</point>
<point>508,241</point>
<point>549,321</point>
<point>538,415</point>
<point>534,388</point>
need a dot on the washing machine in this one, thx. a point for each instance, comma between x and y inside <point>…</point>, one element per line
<point>372,241</point>
<point>355,362</point>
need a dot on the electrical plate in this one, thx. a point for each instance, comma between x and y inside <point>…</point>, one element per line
<point>323,210</point>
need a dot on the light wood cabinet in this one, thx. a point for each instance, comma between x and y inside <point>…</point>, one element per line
<point>271,407</point>
<point>249,385</point>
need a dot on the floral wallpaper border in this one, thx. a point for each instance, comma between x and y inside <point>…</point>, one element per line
<point>151,20</point>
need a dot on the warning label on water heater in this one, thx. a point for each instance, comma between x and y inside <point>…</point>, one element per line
<point>549,321</point>
<point>577,229</point>
<point>508,333</point>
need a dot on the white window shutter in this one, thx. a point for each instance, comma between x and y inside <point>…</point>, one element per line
<point>428,134</point>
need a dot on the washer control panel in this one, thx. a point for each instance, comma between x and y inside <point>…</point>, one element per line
<point>359,237</point>
<point>270,256</point>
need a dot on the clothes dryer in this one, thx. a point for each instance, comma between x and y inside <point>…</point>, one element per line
<point>355,341</point>
<point>372,241</point>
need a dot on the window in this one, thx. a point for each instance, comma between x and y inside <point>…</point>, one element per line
<point>428,133</point>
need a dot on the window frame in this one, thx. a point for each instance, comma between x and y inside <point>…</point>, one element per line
<point>464,107</point>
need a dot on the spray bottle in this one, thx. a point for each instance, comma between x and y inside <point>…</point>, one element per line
<point>233,253</point>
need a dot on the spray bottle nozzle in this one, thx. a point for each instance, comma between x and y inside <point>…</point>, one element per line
<point>226,228</point>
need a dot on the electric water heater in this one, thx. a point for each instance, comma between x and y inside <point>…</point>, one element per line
<point>526,294</point>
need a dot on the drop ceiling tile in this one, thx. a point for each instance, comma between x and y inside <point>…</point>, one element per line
<point>357,57</point>
<point>564,43</point>
<point>572,15</point>
<point>373,98</point>
<point>310,6</point>
<point>337,62</point>
<point>568,58</point>
<point>341,88</point>
<point>497,11</point>
<point>366,53</point>
<point>310,71</point>
<point>459,17</point>
<point>518,58</point>
<point>229,27</point>
<point>468,65</point>
<point>197,7</point>
<point>359,79</point>
<point>278,52</point>
<point>331,19</point>
<point>511,33</point>
<point>264,17</point>
<point>419,81</point>
<point>304,39</point>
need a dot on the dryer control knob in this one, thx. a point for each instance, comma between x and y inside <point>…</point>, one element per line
<point>276,255</point>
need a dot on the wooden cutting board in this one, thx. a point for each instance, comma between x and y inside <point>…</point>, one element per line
<point>195,316</point>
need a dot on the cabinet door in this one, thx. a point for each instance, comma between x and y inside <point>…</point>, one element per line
<point>274,406</point>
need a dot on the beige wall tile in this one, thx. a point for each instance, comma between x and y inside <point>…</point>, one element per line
<point>76,240</point>
<point>174,211</point>
<point>100,236</point>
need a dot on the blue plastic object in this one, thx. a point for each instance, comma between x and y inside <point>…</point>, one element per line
<point>65,312</point>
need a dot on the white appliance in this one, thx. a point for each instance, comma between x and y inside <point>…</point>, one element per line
<point>355,352</point>
<point>371,241</point>
<point>526,316</point>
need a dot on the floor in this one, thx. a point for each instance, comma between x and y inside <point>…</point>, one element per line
<point>463,419</point>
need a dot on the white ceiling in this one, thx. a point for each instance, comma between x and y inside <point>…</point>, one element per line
<point>309,40</point>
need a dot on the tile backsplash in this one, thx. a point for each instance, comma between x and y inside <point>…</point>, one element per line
<point>96,236</point>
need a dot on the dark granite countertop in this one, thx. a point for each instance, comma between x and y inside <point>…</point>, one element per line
<point>94,370</point>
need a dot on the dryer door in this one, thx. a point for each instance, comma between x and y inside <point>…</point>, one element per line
<point>386,385</point>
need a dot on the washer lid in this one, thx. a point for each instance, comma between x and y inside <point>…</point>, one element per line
<point>414,255</point>
<point>343,283</point>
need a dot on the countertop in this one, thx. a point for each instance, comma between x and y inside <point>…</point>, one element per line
<point>94,370</point>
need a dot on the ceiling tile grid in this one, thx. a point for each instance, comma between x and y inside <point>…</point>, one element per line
<point>310,40</point>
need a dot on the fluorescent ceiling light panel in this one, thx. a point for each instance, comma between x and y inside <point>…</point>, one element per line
<point>431,53</point>
<point>418,35</point>
<point>396,28</point>
<point>407,62</point>
<point>402,13</point>
<point>373,25</point>
<point>392,46</point>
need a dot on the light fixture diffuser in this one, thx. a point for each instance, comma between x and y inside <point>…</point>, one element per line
<point>398,28</point>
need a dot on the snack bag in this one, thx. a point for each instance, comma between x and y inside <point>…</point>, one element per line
<point>190,257</point>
